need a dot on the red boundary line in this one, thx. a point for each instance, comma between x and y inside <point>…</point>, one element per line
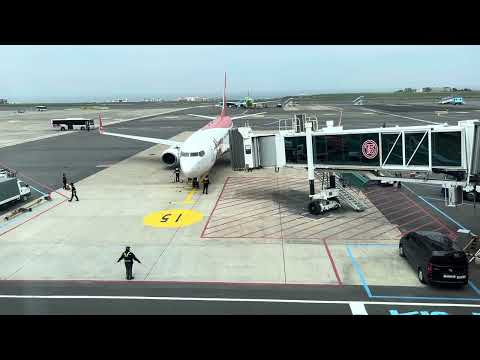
<point>395,219</point>
<point>259,188</point>
<point>228,222</point>
<point>213,210</point>
<point>33,217</point>
<point>385,232</point>
<point>393,212</point>
<point>429,214</point>
<point>332,262</point>
<point>364,221</point>
<point>418,227</point>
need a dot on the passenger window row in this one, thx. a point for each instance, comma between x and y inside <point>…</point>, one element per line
<point>193,154</point>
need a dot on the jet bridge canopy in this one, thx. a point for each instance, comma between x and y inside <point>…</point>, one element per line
<point>432,148</point>
<point>413,148</point>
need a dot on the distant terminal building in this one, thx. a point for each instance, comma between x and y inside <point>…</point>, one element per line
<point>192,98</point>
<point>3,101</point>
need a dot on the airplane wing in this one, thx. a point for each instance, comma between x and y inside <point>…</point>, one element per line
<point>204,116</point>
<point>145,139</point>
<point>248,115</point>
<point>139,138</point>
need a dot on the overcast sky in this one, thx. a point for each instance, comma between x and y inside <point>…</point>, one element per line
<point>67,73</point>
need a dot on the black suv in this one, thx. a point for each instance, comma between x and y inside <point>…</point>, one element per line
<point>435,257</point>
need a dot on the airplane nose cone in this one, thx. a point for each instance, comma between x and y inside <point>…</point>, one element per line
<point>188,168</point>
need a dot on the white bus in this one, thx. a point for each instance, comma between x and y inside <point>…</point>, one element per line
<point>73,124</point>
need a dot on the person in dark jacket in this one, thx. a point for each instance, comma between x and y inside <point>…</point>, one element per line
<point>64,179</point>
<point>128,257</point>
<point>205,182</point>
<point>74,192</point>
<point>177,174</point>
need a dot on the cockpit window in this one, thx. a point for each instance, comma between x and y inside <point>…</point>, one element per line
<point>194,154</point>
<point>183,154</point>
<point>201,153</point>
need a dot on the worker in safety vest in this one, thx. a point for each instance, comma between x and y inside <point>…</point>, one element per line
<point>205,182</point>
<point>128,257</point>
<point>177,174</point>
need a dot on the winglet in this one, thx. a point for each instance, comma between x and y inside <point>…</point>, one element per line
<point>101,123</point>
<point>224,110</point>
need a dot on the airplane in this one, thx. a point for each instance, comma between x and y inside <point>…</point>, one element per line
<point>249,103</point>
<point>197,154</point>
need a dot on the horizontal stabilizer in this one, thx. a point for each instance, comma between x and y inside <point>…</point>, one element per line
<point>203,116</point>
<point>248,115</point>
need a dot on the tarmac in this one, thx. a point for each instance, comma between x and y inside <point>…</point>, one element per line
<point>252,230</point>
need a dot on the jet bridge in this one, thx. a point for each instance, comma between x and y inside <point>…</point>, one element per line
<point>446,155</point>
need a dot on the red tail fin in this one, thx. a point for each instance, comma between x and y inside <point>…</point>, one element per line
<point>224,108</point>
<point>101,123</point>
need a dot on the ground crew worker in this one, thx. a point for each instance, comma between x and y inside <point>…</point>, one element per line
<point>128,256</point>
<point>74,192</point>
<point>64,179</point>
<point>195,183</point>
<point>205,182</point>
<point>177,174</point>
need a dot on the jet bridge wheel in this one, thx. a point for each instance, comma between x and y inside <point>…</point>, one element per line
<point>314,208</point>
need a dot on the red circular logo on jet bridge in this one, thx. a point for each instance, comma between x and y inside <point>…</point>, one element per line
<point>370,149</point>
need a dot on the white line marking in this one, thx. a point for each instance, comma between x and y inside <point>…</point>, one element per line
<point>462,112</point>
<point>368,113</point>
<point>173,298</point>
<point>405,117</point>
<point>358,308</point>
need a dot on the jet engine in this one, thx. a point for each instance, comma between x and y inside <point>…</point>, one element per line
<point>171,156</point>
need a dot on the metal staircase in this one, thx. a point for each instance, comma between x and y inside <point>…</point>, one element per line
<point>472,249</point>
<point>469,243</point>
<point>347,195</point>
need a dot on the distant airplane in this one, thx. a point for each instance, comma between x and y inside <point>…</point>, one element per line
<point>198,154</point>
<point>248,103</point>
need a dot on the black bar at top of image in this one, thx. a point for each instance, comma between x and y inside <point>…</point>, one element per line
<point>239,23</point>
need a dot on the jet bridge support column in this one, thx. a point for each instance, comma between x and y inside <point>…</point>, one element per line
<point>311,172</point>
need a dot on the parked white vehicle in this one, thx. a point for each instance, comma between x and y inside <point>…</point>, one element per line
<point>12,189</point>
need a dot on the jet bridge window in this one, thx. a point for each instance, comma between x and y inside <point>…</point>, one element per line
<point>392,156</point>
<point>347,149</point>
<point>447,149</point>
<point>416,149</point>
<point>296,150</point>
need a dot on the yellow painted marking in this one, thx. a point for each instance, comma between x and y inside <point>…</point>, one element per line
<point>172,218</point>
<point>188,199</point>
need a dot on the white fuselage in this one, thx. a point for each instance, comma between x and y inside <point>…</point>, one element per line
<point>200,151</point>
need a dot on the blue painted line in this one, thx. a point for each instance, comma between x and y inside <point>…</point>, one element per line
<point>436,208</point>
<point>472,285</point>
<point>369,293</point>
<point>359,272</point>
<point>441,212</point>
<point>424,298</point>
<point>38,190</point>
